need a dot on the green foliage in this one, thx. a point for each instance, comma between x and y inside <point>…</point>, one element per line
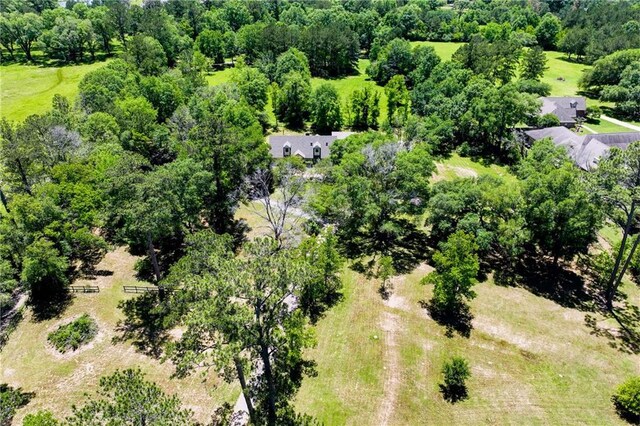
<point>533,64</point>
<point>292,104</point>
<point>10,400</point>
<point>370,189</point>
<point>253,85</point>
<point>74,334</point>
<point>44,270</point>
<point>627,399</point>
<point>608,70</point>
<point>397,101</point>
<point>211,44</point>
<point>548,30</point>
<point>326,115</point>
<point>241,305</point>
<point>40,418</point>
<point>364,109</point>
<point>457,266</point>
<point>548,120</point>
<point>146,54</point>
<point>290,61</point>
<point>560,215</point>
<point>396,58</point>
<point>627,93</point>
<point>126,397</point>
<point>455,372</point>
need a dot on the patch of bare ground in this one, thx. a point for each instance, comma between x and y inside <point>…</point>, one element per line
<point>392,375</point>
<point>500,331</point>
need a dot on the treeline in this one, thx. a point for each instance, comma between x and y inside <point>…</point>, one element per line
<point>331,33</point>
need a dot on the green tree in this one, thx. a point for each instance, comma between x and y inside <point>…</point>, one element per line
<point>235,12</point>
<point>561,215</point>
<point>457,266</point>
<point>618,181</point>
<point>102,25</point>
<point>397,100</point>
<point>40,418</point>
<point>293,100</point>
<point>125,397</point>
<point>370,190</point>
<point>548,30</point>
<point>100,128</point>
<point>253,85</point>
<point>28,28</point>
<point>533,64</point>
<point>290,61</point>
<point>164,93</point>
<point>627,93</point>
<point>326,114</point>
<point>575,41</point>
<point>146,54</point>
<point>627,399</point>
<point>395,58</point>
<point>211,44</point>
<point>44,270</point>
<point>364,109</point>
<point>456,372</point>
<point>250,320</point>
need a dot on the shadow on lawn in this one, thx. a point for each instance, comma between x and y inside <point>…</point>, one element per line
<point>626,338</point>
<point>143,324</point>
<point>49,304</point>
<point>456,320</point>
<point>557,283</point>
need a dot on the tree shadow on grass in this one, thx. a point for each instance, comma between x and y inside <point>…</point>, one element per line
<point>453,393</point>
<point>626,338</point>
<point>144,324</point>
<point>50,303</point>
<point>556,283</point>
<point>457,320</point>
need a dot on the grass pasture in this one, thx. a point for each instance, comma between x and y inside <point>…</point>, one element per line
<point>60,380</point>
<point>29,89</point>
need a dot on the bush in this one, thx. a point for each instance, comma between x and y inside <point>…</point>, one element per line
<point>627,400</point>
<point>456,372</point>
<point>10,400</point>
<point>74,334</point>
<point>594,112</point>
<point>40,418</point>
<point>548,120</point>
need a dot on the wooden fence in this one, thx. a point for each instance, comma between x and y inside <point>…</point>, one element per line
<point>84,289</point>
<point>138,289</point>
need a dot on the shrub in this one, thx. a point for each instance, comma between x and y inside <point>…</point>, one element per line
<point>10,400</point>
<point>627,400</point>
<point>548,120</point>
<point>456,372</point>
<point>74,334</point>
<point>594,112</point>
<point>40,418</point>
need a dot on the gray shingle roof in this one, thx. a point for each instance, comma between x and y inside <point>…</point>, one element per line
<point>585,151</point>
<point>300,145</point>
<point>563,107</point>
<point>620,140</point>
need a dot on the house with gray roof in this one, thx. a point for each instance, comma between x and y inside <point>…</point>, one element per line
<point>308,147</point>
<point>567,108</point>
<point>585,151</point>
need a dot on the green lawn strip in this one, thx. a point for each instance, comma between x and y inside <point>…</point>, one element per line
<point>457,166</point>
<point>444,49</point>
<point>29,89</point>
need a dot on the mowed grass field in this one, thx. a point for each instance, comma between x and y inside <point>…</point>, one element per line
<point>532,360</point>
<point>61,380</point>
<point>29,89</point>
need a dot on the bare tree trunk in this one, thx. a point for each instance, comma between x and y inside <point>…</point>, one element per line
<point>23,177</point>
<point>152,256</point>
<point>620,276</point>
<point>271,407</point>
<point>611,287</point>
<point>245,390</point>
<point>4,201</point>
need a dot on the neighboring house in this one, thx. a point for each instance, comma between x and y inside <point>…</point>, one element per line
<point>585,151</point>
<point>566,108</point>
<point>308,147</point>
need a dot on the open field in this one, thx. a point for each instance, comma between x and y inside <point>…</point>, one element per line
<point>444,49</point>
<point>61,380</point>
<point>29,89</point>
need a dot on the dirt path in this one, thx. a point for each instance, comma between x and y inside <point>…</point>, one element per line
<point>6,317</point>
<point>620,123</point>
<point>390,325</point>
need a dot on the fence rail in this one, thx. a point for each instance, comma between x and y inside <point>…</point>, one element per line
<point>85,289</point>
<point>138,289</point>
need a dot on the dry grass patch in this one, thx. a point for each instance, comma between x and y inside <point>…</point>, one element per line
<point>60,381</point>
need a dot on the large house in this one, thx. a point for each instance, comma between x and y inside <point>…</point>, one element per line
<point>308,147</point>
<point>568,109</point>
<point>585,151</point>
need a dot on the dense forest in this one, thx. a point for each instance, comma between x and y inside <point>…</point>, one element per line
<point>152,158</point>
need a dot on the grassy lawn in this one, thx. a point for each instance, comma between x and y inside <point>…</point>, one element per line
<point>379,361</point>
<point>29,89</point>
<point>444,49</point>
<point>61,380</point>
<point>603,126</point>
<point>457,166</point>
